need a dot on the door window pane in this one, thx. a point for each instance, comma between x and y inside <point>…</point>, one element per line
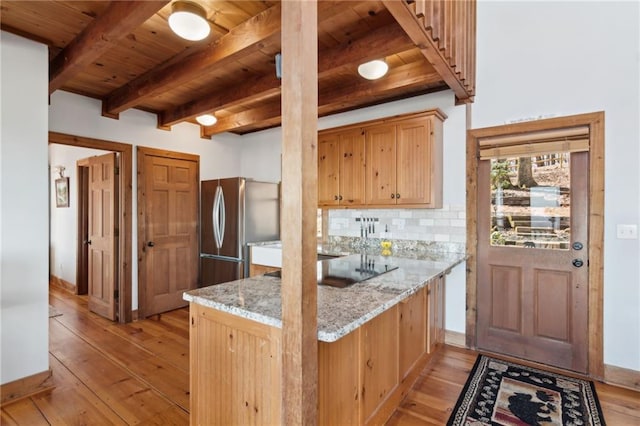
<point>530,201</point>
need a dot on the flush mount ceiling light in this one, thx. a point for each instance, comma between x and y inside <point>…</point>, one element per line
<point>373,70</point>
<point>207,119</point>
<point>189,20</point>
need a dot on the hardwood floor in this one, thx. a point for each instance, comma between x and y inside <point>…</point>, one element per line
<point>138,373</point>
<point>107,373</point>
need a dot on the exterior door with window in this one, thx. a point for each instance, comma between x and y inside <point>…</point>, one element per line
<point>532,291</point>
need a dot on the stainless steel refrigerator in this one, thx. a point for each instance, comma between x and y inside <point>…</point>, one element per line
<point>234,212</point>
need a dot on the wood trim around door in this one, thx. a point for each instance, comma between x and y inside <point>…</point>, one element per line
<point>124,214</point>
<point>595,121</point>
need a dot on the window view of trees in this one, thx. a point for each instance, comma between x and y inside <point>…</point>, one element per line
<point>530,200</point>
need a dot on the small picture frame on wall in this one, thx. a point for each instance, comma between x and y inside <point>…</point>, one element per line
<point>62,192</point>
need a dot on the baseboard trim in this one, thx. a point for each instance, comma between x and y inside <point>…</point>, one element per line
<point>134,315</point>
<point>455,338</point>
<point>36,384</point>
<point>62,284</point>
<point>622,377</point>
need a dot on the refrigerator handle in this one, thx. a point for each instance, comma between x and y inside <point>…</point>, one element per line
<point>223,217</point>
<point>215,217</point>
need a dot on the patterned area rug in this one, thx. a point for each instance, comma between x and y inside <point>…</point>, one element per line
<point>502,393</point>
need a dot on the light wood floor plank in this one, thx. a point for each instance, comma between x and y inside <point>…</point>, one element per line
<point>22,412</point>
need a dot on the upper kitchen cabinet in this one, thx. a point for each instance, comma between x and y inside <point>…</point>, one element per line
<point>380,163</point>
<point>341,168</point>
<point>404,161</point>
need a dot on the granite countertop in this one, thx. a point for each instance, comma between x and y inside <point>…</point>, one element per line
<point>340,310</point>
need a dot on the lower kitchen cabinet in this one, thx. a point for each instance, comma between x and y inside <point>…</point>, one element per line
<point>362,377</point>
<point>413,331</point>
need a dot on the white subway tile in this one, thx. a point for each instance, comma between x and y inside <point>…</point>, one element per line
<point>442,222</point>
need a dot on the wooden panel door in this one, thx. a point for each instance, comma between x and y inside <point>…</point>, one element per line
<point>532,294</point>
<point>328,169</point>
<point>102,235</point>
<point>169,202</point>
<point>352,168</point>
<point>381,164</point>
<point>413,161</point>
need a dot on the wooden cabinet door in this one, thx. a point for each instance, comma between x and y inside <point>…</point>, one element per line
<point>413,337</point>
<point>352,168</point>
<point>381,165</point>
<point>379,361</point>
<point>413,162</point>
<point>328,169</point>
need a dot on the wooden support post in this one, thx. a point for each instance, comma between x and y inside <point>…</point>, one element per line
<point>299,203</point>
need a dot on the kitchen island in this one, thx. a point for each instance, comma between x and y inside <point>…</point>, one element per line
<point>374,338</point>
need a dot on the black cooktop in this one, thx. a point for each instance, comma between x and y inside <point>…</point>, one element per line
<point>345,271</point>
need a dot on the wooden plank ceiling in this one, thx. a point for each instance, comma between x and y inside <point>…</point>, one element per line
<point>123,53</point>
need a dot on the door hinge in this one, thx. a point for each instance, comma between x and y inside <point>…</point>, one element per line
<point>116,233</point>
<point>116,294</point>
<point>116,170</point>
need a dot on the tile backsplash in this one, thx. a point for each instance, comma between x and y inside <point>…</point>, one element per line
<point>445,225</point>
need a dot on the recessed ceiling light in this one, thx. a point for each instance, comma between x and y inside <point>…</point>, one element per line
<point>373,70</point>
<point>189,20</point>
<point>207,119</point>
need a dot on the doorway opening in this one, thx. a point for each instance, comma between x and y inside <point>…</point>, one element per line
<point>122,220</point>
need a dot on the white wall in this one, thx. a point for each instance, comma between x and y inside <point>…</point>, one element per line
<point>555,59</point>
<point>81,116</point>
<point>63,232</point>
<point>24,278</point>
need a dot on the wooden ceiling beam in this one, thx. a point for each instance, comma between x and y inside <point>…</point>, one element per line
<point>415,75</point>
<point>408,20</point>
<point>241,41</point>
<point>377,43</point>
<point>118,20</point>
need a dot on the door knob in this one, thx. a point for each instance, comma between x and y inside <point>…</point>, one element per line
<point>151,244</point>
<point>87,242</point>
<point>577,263</point>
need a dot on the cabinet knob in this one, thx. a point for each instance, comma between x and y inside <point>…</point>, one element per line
<point>397,196</point>
<point>393,195</point>
<point>335,197</point>
<point>340,197</point>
